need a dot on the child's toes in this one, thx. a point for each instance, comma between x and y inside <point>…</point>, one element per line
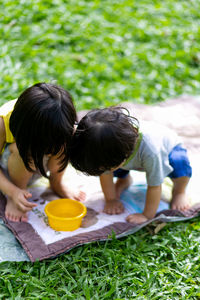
<point>24,218</point>
<point>10,217</point>
<point>185,207</point>
<point>173,206</point>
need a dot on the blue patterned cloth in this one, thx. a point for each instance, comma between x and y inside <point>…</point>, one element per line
<point>133,199</point>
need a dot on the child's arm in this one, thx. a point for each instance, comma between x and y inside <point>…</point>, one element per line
<point>56,178</point>
<point>58,184</point>
<point>17,195</point>
<point>152,201</point>
<point>151,205</point>
<point>113,205</point>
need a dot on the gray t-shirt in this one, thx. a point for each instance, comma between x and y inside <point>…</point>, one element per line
<point>152,155</point>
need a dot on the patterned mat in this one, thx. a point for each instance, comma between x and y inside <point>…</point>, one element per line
<point>36,240</point>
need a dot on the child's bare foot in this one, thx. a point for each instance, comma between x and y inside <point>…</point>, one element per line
<point>180,202</point>
<point>113,207</point>
<point>12,213</point>
<point>122,184</point>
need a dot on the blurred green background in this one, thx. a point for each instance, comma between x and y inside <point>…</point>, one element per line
<point>103,51</point>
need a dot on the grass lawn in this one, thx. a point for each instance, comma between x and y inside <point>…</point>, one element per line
<point>105,52</point>
<point>140,266</point>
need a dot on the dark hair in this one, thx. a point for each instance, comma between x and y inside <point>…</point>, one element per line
<point>103,140</point>
<point>42,122</point>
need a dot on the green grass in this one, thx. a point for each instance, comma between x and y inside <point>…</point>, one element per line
<point>140,266</point>
<point>105,52</point>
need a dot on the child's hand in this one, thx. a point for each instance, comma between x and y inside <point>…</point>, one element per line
<point>136,218</point>
<point>113,207</point>
<point>20,199</point>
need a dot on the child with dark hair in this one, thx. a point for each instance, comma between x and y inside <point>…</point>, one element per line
<point>108,142</point>
<point>35,131</point>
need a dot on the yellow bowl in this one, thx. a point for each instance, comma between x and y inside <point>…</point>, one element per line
<point>65,214</point>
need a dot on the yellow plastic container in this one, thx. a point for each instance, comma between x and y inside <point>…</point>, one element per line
<point>65,214</point>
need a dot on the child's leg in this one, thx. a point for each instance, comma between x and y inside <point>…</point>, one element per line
<point>180,176</point>
<point>20,177</point>
<point>179,197</point>
<point>124,180</point>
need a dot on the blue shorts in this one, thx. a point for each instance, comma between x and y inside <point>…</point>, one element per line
<point>178,159</point>
<point>120,173</point>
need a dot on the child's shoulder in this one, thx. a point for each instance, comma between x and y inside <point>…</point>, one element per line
<point>5,112</point>
<point>7,107</point>
<point>157,136</point>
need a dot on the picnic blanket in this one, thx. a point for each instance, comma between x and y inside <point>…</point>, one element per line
<point>36,240</point>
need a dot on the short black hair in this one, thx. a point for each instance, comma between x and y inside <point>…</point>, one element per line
<point>42,122</point>
<point>103,139</point>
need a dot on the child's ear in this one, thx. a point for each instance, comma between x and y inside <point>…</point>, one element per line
<point>75,127</point>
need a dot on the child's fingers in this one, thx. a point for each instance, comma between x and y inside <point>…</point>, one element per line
<point>133,220</point>
<point>81,196</point>
<point>27,194</point>
<point>28,205</point>
<point>107,211</point>
<point>114,208</point>
<point>130,220</point>
<point>24,208</point>
<point>136,219</point>
<point>119,209</point>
